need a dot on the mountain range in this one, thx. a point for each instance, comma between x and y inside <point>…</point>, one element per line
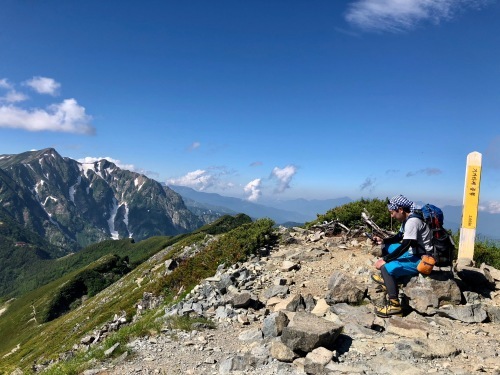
<point>296,211</point>
<point>72,205</point>
<point>299,211</point>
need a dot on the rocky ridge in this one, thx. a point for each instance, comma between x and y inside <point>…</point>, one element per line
<point>73,204</point>
<point>307,307</point>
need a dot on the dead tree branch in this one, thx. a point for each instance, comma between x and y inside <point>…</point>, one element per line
<point>365,215</point>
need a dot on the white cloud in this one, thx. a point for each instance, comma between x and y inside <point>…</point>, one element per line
<point>253,188</point>
<point>13,96</point>
<point>493,207</point>
<point>5,84</point>
<point>212,178</point>
<point>199,179</point>
<point>426,171</point>
<point>119,164</point>
<point>283,177</point>
<point>44,85</point>
<point>67,116</point>
<point>401,15</point>
<point>194,146</point>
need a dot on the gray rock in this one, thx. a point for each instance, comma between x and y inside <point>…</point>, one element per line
<point>317,360</point>
<point>424,348</point>
<point>236,363</point>
<point>110,351</point>
<point>251,335</point>
<point>428,293</point>
<point>344,288</point>
<point>493,313</point>
<point>306,332</point>
<point>241,300</point>
<point>410,328</point>
<point>288,266</point>
<point>281,352</point>
<point>361,315</point>
<point>476,277</point>
<point>274,323</point>
<point>465,313</point>
<point>275,290</point>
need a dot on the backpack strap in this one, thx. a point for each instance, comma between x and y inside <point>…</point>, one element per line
<point>418,214</point>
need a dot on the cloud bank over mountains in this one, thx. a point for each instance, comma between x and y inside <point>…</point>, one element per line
<point>202,179</point>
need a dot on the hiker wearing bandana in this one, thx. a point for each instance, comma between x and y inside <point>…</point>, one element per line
<point>401,253</point>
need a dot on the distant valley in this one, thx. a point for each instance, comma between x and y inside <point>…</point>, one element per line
<point>302,210</point>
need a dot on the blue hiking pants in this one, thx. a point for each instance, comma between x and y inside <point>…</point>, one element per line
<point>405,265</point>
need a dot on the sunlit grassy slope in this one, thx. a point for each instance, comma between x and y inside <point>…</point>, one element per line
<point>25,339</point>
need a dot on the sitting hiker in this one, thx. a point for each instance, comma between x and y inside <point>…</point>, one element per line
<point>400,253</point>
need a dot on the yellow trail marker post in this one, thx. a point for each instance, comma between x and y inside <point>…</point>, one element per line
<point>471,203</point>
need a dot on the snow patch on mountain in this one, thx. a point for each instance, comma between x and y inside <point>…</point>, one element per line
<point>72,189</point>
<point>111,220</point>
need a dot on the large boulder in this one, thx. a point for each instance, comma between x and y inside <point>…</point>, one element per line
<point>344,288</point>
<point>307,331</point>
<point>427,293</point>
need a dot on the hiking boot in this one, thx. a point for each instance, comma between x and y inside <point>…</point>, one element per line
<point>378,278</point>
<point>393,308</point>
<point>380,281</point>
<point>381,288</point>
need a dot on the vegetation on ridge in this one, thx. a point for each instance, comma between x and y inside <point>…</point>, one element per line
<point>22,271</point>
<point>235,246</point>
<point>86,283</point>
<point>20,323</point>
<point>487,251</point>
<point>350,214</point>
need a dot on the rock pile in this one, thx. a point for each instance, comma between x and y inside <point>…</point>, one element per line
<point>307,307</point>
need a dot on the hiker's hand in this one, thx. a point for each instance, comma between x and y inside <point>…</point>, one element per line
<point>377,240</point>
<point>379,263</point>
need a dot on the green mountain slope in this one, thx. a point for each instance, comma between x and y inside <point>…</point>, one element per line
<point>21,252</point>
<point>30,327</point>
<point>25,268</point>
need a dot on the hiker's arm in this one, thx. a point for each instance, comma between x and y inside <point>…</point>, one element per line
<point>394,239</point>
<point>389,240</point>
<point>403,248</point>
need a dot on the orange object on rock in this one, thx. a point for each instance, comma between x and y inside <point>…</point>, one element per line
<point>426,265</point>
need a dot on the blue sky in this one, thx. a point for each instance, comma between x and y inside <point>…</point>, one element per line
<point>261,99</point>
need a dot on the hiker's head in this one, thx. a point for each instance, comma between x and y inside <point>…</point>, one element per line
<point>399,206</point>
